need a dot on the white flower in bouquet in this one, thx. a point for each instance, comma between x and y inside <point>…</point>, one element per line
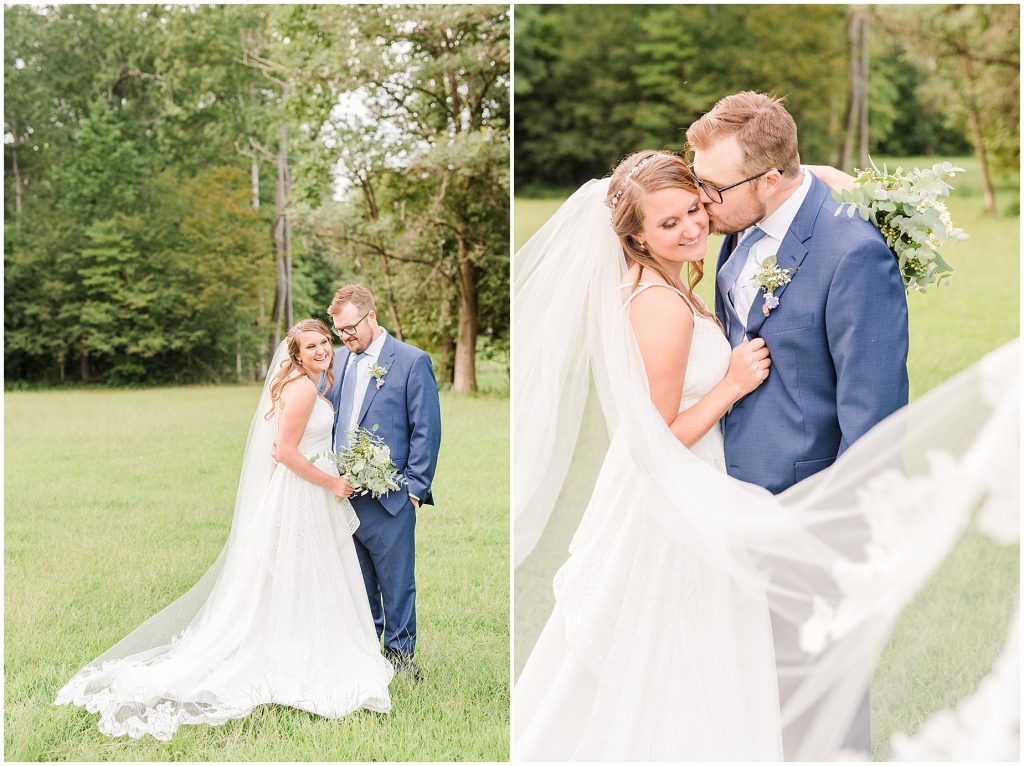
<point>366,463</point>
<point>908,207</point>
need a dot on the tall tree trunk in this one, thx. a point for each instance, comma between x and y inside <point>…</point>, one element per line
<point>865,54</point>
<point>856,105</point>
<point>277,313</point>
<point>284,233</point>
<point>465,342</point>
<point>446,363</point>
<point>289,305</point>
<point>844,154</point>
<point>268,353</point>
<point>389,297</point>
<point>85,366</point>
<point>254,167</point>
<point>238,353</point>
<point>456,99</point>
<point>254,179</point>
<point>977,137</point>
<point>282,312</point>
<point>17,178</point>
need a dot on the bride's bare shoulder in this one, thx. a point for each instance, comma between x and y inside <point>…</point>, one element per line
<point>299,391</point>
<point>660,316</point>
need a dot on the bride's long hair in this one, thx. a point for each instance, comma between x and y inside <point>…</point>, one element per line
<point>293,364</point>
<point>632,180</point>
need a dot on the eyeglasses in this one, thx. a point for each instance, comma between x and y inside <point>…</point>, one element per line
<point>715,193</point>
<point>343,332</point>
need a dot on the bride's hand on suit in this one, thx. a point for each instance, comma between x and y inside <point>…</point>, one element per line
<point>749,365</point>
<point>832,177</point>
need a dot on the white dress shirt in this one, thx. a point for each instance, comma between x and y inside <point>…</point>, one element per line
<point>362,372</point>
<point>745,291</point>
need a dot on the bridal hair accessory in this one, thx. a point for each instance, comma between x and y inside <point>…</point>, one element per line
<point>630,174</point>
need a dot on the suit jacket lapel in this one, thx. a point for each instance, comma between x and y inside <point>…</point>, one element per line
<point>792,251</point>
<point>790,255</point>
<point>385,360</point>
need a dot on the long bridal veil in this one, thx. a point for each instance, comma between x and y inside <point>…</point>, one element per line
<point>837,559</point>
<point>222,584</point>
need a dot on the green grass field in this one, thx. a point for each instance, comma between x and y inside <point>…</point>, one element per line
<point>117,501</point>
<point>959,620</point>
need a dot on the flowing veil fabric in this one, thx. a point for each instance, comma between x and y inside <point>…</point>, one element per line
<point>835,560</point>
<point>211,590</point>
<point>280,617</point>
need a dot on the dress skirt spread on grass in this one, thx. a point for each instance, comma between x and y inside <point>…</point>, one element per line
<point>281,617</point>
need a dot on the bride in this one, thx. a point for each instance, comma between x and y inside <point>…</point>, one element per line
<point>281,617</point>
<point>698,617</point>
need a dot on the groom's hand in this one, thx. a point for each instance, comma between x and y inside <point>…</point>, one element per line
<point>415,502</point>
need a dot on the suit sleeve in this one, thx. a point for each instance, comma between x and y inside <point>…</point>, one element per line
<point>424,409</point>
<point>866,322</point>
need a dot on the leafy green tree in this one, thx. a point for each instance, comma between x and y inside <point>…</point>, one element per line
<point>594,83</point>
<point>423,151</point>
<point>144,145</point>
<point>115,293</point>
<point>903,121</point>
<point>974,54</point>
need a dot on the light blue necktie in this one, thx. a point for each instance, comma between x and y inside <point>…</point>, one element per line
<point>348,398</point>
<point>727,278</point>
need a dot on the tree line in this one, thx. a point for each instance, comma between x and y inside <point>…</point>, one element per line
<point>184,182</point>
<point>594,83</point>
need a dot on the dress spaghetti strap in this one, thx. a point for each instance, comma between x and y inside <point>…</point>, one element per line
<point>641,286</point>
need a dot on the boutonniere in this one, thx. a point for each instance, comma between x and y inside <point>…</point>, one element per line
<point>769,279</point>
<point>378,373</point>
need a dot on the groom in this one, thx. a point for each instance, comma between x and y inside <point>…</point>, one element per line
<point>837,333</point>
<point>838,336</point>
<point>380,381</point>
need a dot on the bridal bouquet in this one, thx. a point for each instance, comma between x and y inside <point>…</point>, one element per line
<point>366,463</point>
<point>908,207</point>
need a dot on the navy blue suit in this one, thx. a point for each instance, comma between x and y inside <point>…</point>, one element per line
<point>407,412</point>
<point>838,341</point>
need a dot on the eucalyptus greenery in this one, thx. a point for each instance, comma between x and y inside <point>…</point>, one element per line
<point>908,207</point>
<point>366,463</point>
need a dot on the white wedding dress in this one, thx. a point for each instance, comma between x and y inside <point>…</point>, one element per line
<point>700,698</point>
<point>285,622</point>
<point>660,644</point>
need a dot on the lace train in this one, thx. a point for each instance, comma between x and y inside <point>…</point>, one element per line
<point>286,622</point>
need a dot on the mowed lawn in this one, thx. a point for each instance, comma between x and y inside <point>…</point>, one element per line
<point>959,621</point>
<point>117,501</point>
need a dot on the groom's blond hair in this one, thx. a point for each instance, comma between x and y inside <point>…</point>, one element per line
<point>357,295</point>
<point>763,128</point>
